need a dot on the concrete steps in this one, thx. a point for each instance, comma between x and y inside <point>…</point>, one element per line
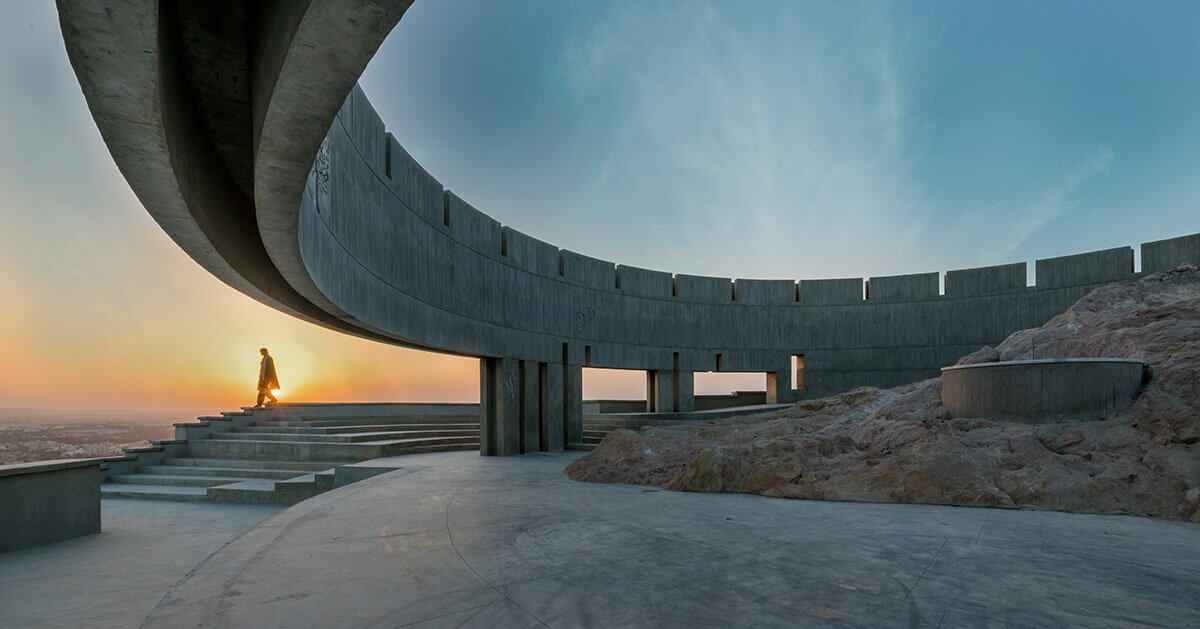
<point>300,466</point>
<point>326,422</point>
<point>354,437</point>
<point>154,492</point>
<point>319,451</point>
<point>280,455</point>
<point>175,480</point>
<point>279,428</point>
<point>225,472</point>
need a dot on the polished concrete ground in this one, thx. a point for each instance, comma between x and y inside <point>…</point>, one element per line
<point>115,578</point>
<point>456,540</point>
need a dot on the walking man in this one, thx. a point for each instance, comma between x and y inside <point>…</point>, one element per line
<point>267,378</point>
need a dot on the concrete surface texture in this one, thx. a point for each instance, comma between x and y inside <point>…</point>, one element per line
<point>1042,391</point>
<point>48,501</point>
<point>283,182</point>
<point>455,540</point>
<point>115,579</point>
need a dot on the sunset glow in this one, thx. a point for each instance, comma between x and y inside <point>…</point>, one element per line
<point>829,170</point>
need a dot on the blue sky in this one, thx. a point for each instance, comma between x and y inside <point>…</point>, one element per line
<point>767,139</point>
<point>806,139</point>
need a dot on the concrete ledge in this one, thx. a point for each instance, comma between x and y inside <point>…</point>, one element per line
<point>48,501</point>
<point>1042,391</point>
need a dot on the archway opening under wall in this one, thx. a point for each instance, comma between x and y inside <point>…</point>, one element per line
<point>614,390</point>
<point>722,389</point>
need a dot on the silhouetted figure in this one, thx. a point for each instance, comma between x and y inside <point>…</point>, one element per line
<point>267,378</point>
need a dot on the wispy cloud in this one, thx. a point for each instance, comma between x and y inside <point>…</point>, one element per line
<point>776,131</point>
<point>1030,210</point>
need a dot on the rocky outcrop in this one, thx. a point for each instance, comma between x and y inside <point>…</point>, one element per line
<point>902,445</point>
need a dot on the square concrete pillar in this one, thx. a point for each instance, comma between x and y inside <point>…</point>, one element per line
<point>553,408</point>
<point>779,387</point>
<point>531,407</point>
<point>685,391</point>
<point>499,407</point>
<point>660,391</point>
<point>573,403</point>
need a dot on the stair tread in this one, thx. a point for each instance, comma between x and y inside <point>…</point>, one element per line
<point>267,427</point>
<point>164,477</point>
<point>152,489</point>
<point>262,464</point>
<point>360,443</point>
<point>199,470</point>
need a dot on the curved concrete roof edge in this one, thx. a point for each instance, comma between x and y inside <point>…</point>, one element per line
<point>115,48</point>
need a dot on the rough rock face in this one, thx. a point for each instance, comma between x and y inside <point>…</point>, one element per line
<point>902,445</point>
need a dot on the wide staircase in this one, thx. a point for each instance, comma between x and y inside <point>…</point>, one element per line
<point>286,453</point>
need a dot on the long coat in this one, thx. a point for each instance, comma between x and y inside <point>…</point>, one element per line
<point>267,378</point>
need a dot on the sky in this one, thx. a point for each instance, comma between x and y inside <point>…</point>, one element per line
<point>774,139</point>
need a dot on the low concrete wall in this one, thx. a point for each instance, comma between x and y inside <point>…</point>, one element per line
<point>1042,391</point>
<point>702,403</point>
<point>48,501</point>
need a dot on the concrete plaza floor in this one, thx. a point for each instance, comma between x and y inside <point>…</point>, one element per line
<point>115,578</point>
<point>459,540</point>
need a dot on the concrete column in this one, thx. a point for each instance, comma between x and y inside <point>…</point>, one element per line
<point>531,401</point>
<point>779,387</point>
<point>499,407</point>
<point>660,391</point>
<point>552,407</point>
<point>573,403</point>
<point>685,392</point>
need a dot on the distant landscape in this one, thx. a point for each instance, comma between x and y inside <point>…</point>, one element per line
<point>41,434</point>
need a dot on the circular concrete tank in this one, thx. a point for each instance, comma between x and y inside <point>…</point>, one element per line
<point>1042,391</point>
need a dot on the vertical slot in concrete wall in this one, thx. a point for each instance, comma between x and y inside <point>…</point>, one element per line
<point>798,372</point>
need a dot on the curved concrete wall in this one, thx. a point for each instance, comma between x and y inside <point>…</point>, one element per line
<point>240,127</point>
<point>403,256</point>
<point>1042,391</point>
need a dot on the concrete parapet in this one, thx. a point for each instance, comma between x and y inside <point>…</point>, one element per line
<point>528,253</point>
<point>705,290</point>
<point>1164,255</point>
<point>987,280</point>
<point>916,287</point>
<point>765,292</point>
<point>1096,267</point>
<point>644,282</point>
<point>831,292</point>
<point>1042,391</point>
<point>48,501</point>
<point>472,228</point>
<point>587,271</point>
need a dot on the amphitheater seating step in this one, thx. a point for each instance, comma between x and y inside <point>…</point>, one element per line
<point>155,492</point>
<point>227,472</point>
<point>267,457</point>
